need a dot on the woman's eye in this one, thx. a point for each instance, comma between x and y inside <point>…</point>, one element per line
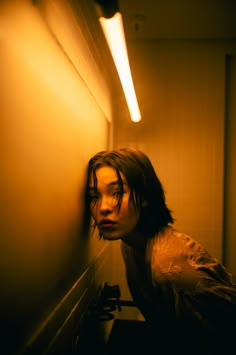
<point>117,194</point>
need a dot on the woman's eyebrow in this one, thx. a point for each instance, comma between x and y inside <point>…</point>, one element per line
<point>117,183</point>
<point>110,184</point>
<point>114,183</point>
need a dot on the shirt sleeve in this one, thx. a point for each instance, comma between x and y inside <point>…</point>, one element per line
<point>202,287</point>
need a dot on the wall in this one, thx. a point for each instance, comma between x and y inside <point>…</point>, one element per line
<point>230,170</point>
<point>180,86</point>
<point>55,113</point>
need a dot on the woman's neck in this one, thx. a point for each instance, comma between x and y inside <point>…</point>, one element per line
<point>136,240</point>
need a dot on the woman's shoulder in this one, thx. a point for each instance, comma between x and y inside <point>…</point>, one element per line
<point>195,252</point>
<point>184,261</point>
<point>178,242</point>
<point>172,241</point>
<point>170,244</point>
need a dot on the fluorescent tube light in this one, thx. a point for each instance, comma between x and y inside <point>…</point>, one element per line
<point>114,33</point>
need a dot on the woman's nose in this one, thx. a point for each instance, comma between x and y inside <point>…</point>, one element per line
<point>106,205</point>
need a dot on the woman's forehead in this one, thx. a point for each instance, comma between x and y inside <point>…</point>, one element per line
<point>107,174</point>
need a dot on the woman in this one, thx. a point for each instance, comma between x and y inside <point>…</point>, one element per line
<point>187,296</point>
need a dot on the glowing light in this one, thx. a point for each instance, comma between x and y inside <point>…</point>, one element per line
<point>114,33</point>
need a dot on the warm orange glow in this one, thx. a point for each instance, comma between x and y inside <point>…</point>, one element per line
<point>114,34</point>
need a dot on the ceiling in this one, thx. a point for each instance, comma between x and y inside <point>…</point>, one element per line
<point>157,20</point>
<point>182,19</point>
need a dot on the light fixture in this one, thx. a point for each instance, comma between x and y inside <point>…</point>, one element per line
<point>112,25</point>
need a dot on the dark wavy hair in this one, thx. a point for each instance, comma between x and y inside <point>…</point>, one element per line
<point>146,191</point>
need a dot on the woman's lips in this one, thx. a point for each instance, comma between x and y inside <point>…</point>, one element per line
<point>107,224</point>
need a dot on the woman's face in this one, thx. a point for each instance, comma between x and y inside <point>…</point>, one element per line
<point>113,223</point>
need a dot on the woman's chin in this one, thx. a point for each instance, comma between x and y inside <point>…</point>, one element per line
<point>110,237</point>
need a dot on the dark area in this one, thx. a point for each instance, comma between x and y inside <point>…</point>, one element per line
<point>109,335</point>
<point>20,321</point>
